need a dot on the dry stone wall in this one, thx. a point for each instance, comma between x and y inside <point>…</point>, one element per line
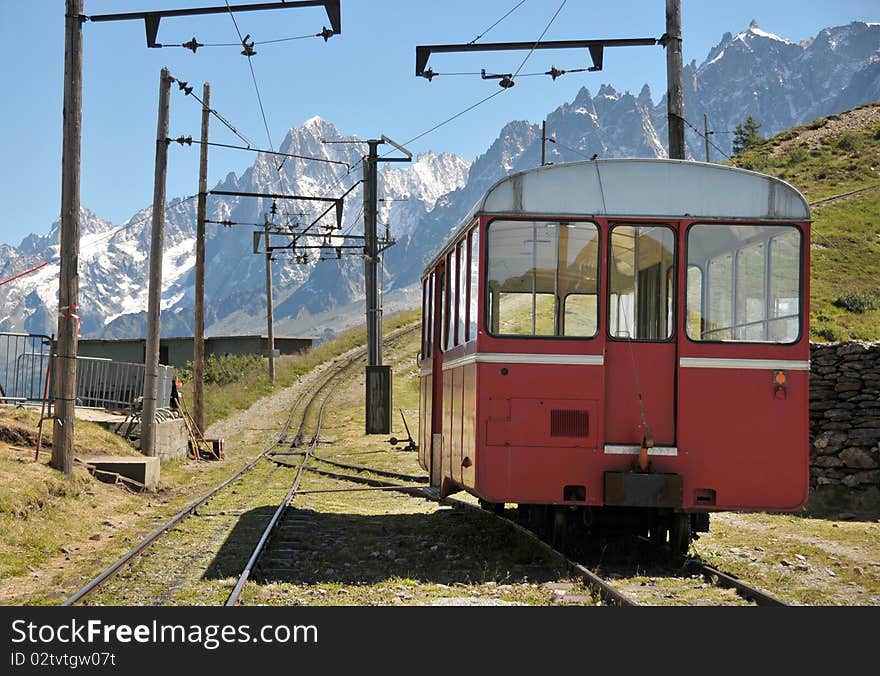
<point>845,419</point>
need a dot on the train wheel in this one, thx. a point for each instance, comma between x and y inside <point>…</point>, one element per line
<point>657,533</point>
<point>494,507</point>
<point>559,529</point>
<point>680,535</point>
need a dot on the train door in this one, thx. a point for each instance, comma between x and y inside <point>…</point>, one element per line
<point>640,353</point>
<point>439,310</point>
<point>744,366</point>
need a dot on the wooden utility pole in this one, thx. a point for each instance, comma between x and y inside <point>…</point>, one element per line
<point>706,133</point>
<point>199,321</point>
<point>68,283</point>
<point>270,314</point>
<point>157,240</point>
<point>544,143</point>
<point>675,80</point>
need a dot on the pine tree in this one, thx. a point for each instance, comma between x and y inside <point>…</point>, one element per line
<point>746,135</point>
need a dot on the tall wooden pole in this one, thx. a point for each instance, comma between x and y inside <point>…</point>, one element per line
<point>706,133</point>
<point>543,143</point>
<point>270,314</point>
<point>199,320</point>
<point>157,240</point>
<point>68,283</point>
<point>675,80</point>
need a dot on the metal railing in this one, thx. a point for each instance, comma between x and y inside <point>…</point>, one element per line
<point>117,385</point>
<point>25,376</point>
<point>24,367</point>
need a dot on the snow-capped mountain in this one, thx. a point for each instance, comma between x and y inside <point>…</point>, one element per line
<point>114,260</point>
<point>778,82</point>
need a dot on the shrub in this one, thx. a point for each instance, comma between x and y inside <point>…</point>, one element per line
<point>223,370</point>
<point>826,332</point>
<point>858,301</point>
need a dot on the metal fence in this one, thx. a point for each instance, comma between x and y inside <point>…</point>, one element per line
<point>24,367</point>
<point>25,376</point>
<point>117,385</point>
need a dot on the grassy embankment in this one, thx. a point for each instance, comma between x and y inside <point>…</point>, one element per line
<point>827,157</point>
<point>54,530</point>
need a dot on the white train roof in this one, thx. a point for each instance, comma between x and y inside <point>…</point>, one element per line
<point>645,188</point>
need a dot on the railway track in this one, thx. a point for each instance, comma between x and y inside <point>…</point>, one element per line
<point>116,567</point>
<point>282,536</point>
<point>605,589</point>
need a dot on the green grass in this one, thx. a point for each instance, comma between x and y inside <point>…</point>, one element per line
<point>845,257</point>
<point>221,400</point>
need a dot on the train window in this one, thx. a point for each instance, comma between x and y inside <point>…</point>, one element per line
<point>428,318</point>
<point>474,284</point>
<point>440,280</point>
<point>425,331</point>
<point>462,291</point>
<point>694,299</point>
<point>451,299</point>
<point>641,283</point>
<point>542,278</point>
<point>751,290</point>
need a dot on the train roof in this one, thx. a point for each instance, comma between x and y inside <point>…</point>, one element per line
<point>642,188</point>
<point>646,188</point>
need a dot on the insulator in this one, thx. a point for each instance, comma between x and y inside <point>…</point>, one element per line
<point>192,44</point>
<point>326,34</point>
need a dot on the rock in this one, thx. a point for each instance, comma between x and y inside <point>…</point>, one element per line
<point>827,461</point>
<point>864,434</point>
<point>857,458</point>
<point>95,537</point>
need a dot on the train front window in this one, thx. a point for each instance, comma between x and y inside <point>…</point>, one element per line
<point>542,278</point>
<point>751,289</point>
<point>641,282</point>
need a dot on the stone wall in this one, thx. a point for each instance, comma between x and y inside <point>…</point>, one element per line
<point>845,422</point>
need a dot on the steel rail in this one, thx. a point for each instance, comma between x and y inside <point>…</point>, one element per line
<point>235,594</point>
<point>358,468</point>
<point>126,558</point>
<point>605,590</point>
<point>745,590</point>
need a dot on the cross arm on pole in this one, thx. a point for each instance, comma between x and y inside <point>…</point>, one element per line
<point>595,47</point>
<point>152,19</point>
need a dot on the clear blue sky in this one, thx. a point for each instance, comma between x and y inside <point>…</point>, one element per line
<point>362,80</point>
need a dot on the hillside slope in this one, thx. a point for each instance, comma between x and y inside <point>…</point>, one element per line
<point>825,158</point>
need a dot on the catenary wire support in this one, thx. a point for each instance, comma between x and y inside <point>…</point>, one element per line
<point>595,47</point>
<point>151,19</point>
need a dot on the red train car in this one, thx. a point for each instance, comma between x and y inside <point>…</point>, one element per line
<point>624,345</point>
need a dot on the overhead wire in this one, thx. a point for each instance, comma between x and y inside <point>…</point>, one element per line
<point>198,45</point>
<point>188,140</point>
<point>212,111</point>
<point>703,136</point>
<point>541,37</point>
<point>248,54</point>
<point>491,96</point>
<point>511,11</point>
